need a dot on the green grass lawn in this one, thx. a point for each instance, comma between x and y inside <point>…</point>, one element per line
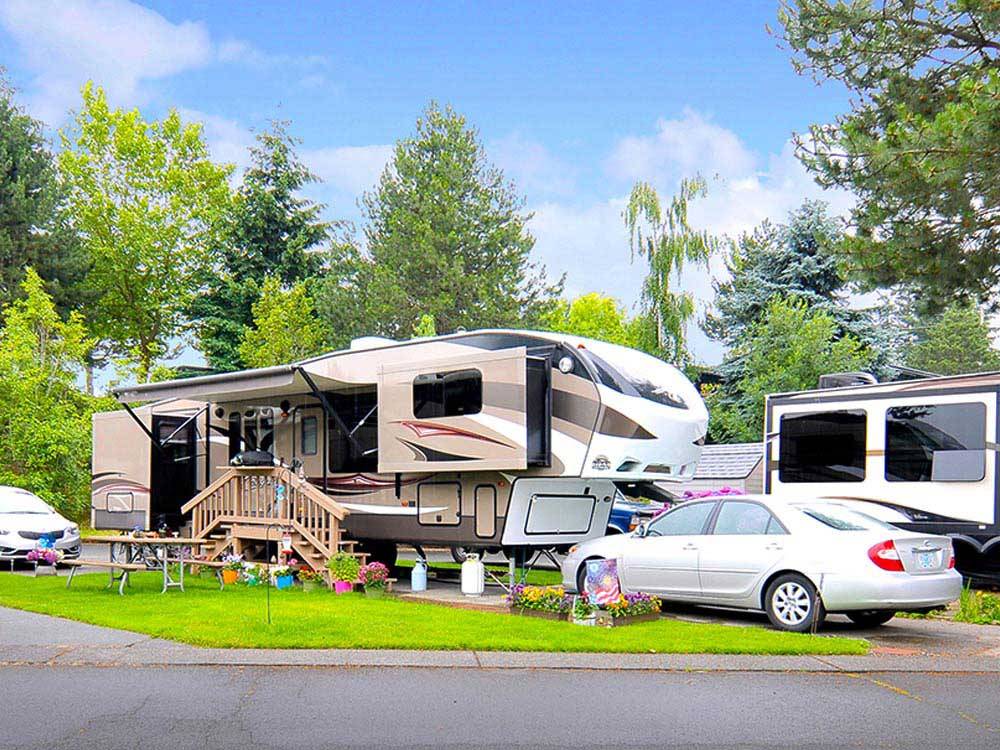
<point>235,618</point>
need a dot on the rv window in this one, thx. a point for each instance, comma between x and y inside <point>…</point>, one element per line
<point>359,414</point>
<point>944,442</point>
<point>309,433</point>
<point>266,435</point>
<point>822,447</point>
<point>447,394</point>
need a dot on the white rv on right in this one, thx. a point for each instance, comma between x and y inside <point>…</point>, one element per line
<point>926,449</point>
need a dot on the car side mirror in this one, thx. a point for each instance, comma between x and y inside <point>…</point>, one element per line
<point>641,530</point>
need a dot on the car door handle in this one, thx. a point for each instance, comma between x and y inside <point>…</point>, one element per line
<point>690,546</point>
<point>774,546</point>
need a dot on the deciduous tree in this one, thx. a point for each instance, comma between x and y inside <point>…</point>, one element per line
<point>44,418</point>
<point>148,203</point>
<point>285,328</point>
<point>665,239</point>
<point>787,350</point>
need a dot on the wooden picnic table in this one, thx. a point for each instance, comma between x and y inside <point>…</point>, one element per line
<point>151,551</point>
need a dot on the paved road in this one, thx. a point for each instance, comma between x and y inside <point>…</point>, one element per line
<point>252,708</point>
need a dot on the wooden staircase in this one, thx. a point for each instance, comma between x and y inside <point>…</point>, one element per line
<point>249,506</point>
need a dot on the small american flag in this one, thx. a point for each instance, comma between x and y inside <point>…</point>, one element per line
<point>601,584</point>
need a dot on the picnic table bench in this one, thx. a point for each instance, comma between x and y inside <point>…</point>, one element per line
<point>122,568</point>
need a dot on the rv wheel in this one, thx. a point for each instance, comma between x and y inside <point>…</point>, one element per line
<point>459,554</point>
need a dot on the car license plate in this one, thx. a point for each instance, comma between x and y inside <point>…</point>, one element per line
<point>926,560</point>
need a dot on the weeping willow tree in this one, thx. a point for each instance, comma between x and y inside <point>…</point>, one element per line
<point>666,241</point>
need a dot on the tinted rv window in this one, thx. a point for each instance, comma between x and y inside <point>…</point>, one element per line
<point>447,394</point>
<point>309,433</point>
<point>945,442</point>
<point>356,449</point>
<point>822,447</point>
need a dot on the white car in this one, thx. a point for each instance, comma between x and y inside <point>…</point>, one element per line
<point>796,560</point>
<point>25,518</point>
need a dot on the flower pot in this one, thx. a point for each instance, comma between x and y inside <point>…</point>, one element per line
<point>229,577</point>
<point>342,587</point>
<point>284,582</point>
<point>374,593</point>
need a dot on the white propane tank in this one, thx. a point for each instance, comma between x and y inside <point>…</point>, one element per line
<point>473,576</point>
<point>418,578</point>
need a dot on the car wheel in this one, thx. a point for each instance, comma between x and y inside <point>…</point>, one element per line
<point>871,618</point>
<point>792,603</point>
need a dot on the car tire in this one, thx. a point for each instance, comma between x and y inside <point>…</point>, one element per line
<point>871,618</point>
<point>793,604</point>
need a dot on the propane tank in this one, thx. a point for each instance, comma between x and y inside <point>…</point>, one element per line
<point>473,576</point>
<point>418,579</point>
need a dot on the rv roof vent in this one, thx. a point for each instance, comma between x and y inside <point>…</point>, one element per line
<point>371,342</point>
<point>846,379</point>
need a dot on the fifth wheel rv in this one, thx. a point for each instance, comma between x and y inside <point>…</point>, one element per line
<point>491,439</point>
<point>922,451</point>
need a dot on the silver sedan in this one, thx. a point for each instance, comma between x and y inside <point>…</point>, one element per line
<point>794,560</point>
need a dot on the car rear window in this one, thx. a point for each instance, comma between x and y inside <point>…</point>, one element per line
<point>842,519</point>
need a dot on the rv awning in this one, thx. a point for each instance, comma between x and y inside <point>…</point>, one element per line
<point>266,382</point>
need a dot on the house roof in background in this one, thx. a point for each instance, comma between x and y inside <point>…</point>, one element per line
<point>735,461</point>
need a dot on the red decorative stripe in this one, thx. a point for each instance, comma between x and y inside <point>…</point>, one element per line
<point>432,429</point>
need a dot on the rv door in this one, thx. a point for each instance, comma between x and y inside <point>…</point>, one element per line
<point>461,414</point>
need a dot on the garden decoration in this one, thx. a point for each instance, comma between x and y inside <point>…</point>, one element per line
<point>44,556</point>
<point>252,574</point>
<point>310,579</point>
<point>374,577</point>
<point>601,583</point>
<point>344,570</point>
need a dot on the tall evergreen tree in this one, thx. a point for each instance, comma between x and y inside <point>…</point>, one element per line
<point>919,146</point>
<point>795,258</point>
<point>274,232</point>
<point>446,236</point>
<point>955,342</point>
<point>32,232</point>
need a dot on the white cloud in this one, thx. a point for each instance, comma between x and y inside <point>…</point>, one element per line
<point>116,43</point>
<point>532,167</point>
<point>244,53</point>
<point>692,144</point>
<point>349,169</point>
<point>227,140</point>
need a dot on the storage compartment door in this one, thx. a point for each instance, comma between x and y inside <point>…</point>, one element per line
<point>461,414</point>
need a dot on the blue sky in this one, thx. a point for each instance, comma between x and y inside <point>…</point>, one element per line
<point>574,101</point>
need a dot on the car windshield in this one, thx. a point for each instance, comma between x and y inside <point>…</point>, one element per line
<point>23,502</point>
<point>843,519</point>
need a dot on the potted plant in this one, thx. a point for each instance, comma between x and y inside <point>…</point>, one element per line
<point>44,556</point>
<point>344,569</point>
<point>583,612</point>
<point>375,577</point>
<point>252,574</point>
<point>283,575</point>
<point>548,602</point>
<point>231,569</point>
<point>310,579</point>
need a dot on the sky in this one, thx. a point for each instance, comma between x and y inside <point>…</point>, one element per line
<point>574,101</point>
